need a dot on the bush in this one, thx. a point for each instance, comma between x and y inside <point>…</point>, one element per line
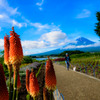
<point>70,52</point>
<point>34,60</point>
<point>27,59</point>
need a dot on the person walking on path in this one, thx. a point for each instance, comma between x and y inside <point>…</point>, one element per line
<point>67,59</point>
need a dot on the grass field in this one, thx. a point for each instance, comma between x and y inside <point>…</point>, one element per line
<point>85,64</point>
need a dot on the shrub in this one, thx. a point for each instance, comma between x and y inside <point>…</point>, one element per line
<point>27,59</point>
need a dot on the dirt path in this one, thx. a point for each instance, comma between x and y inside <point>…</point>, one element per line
<point>75,86</point>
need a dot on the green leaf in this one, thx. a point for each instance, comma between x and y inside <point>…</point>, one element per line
<point>28,97</point>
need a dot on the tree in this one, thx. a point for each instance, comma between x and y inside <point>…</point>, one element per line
<point>27,59</point>
<point>70,52</point>
<point>97,30</point>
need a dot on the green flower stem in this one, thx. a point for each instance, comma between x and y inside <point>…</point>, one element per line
<point>28,96</point>
<point>34,98</point>
<point>17,94</point>
<point>15,86</point>
<point>39,70</point>
<point>10,85</point>
<point>51,95</point>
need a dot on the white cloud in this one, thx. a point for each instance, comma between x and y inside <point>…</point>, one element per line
<point>26,20</point>
<point>34,51</point>
<point>69,47</point>
<point>62,43</point>
<point>34,44</point>
<point>42,27</point>
<point>70,40</point>
<point>1,16</point>
<point>40,3</point>
<point>40,8</point>
<point>82,46</point>
<point>6,14</point>
<point>1,44</point>
<point>55,40</point>
<point>27,52</point>
<point>4,4</point>
<point>48,40</point>
<point>18,24</point>
<point>15,23</point>
<point>32,47</point>
<point>6,20</point>
<point>85,13</point>
<point>14,11</point>
<point>54,37</point>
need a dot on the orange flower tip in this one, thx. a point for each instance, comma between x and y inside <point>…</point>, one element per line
<point>13,28</point>
<point>51,88</point>
<point>50,77</point>
<point>6,49</point>
<point>48,57</point>
<point>32,70</point>
<point>27,70</point>
<point>16,51</point>
<point>33,85</point>
<point>27,80</point>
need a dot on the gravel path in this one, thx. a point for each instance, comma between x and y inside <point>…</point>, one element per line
<point>75,86</point>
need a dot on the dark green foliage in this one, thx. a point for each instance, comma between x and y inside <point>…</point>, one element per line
<point>27,59</point>
<point>98,16</point>
<point>34,60</point>
<point>28,96</point>
<point>54,55</point>
<point>81,55</point>
<point>97,30</point>
<point>2,60</point>
<point>32,56</point>
<point>70,52</point>
<point>2,52</point>
<point>87,54</point>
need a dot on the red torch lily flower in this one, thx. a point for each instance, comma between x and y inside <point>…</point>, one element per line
<point>6,49</point>
<point>16,52</point>
<point>27,80</point>
<point>33,85</point>
<point>15,58</point>
<point>50,77</point>
<point>3,88</point>
<point>6,52</point>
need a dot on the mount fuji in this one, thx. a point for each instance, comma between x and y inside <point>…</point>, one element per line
<point>82,44</point>
<point>82,41</point>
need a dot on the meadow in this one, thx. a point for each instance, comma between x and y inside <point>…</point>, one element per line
<point>88,63</point>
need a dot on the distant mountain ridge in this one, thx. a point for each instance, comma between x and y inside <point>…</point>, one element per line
<point>81,41</point>
<point>84,41</point>
<point>82,44</point>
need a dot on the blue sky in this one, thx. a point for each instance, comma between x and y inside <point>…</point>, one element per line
<point>45,25</point>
